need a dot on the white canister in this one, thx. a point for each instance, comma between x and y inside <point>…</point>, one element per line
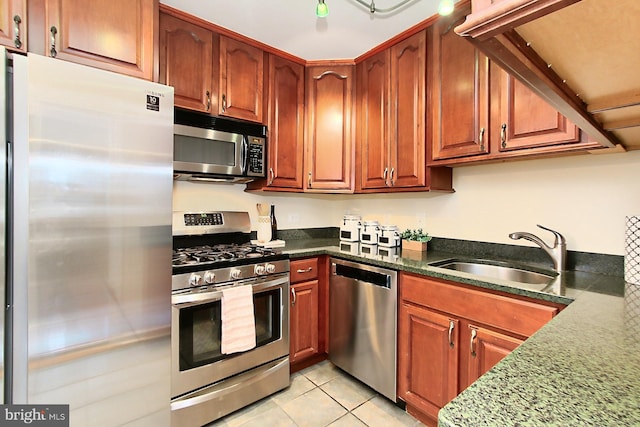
<point>368,251</point>
<point>350,228</point>
<point>352,248</point>
<point>389,253</point>
<point>369,233</point>
<point>389,236</point>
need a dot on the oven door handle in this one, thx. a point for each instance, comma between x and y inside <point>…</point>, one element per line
<point>190,299</point>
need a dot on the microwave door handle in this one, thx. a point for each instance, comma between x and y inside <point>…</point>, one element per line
<point>244,153</point>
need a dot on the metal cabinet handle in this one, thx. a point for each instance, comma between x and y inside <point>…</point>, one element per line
<point>208,100</point>
<point>271,175</point>
<point>16,29</point>
<point>53,52</point>
<point>391,177</point>
<point>308,270</point>
<point>472,344</point>
<point>384,175</point>
<point>309,181</point>
<point>503,135</point>
<point>293,297</point>
<point>224,103</point>
<point>451,326</point>
<point>481,139</point>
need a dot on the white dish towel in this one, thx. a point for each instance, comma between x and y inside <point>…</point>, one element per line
<point>238,321</point>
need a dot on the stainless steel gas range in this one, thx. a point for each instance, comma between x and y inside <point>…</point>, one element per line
<point>213,253</point>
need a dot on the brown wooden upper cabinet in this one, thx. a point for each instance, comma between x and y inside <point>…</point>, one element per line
<point>329,142</point>
<point>241,80</point>
<point>460,87</point>
<point>285,124</point>
<point>13,24</point>
<point>114,35</point>
<point>479,112</point>
<point>391,116</point>
<point>186,62</point>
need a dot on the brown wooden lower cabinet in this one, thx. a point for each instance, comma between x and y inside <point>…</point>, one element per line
<point>308,312</point>
<point>450,334</point>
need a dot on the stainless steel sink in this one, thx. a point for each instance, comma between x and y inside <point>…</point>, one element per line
<point>496,270</point>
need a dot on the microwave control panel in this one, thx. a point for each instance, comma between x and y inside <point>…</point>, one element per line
<point>256,158</point>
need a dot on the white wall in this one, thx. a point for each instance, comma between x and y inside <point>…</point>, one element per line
<point>586,198</point>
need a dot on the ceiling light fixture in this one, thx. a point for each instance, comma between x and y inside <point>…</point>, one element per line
<point>322,10</point>
<point>445,7</point>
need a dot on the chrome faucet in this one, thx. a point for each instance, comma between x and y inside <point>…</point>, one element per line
<point>557,252</point>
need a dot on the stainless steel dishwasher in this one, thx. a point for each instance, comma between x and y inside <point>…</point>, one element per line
<point>362,323</point>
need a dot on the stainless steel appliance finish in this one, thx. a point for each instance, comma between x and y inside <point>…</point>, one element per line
<point>557,252</point>
<point>90,234</point>
<point>205,383</point>
<point>362,323</point>
<point>218,149</point>
<point>3,219</point>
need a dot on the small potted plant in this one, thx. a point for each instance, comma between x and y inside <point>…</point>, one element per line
<point>415,240</point>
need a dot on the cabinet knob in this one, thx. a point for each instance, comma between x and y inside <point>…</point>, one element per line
<point>53,52</point>
<point>16,29</point>
<point>308,270</point>
<point>391,177</point>
<point>384,175</point>
<point>503,135</point>
<point>452,325</point>
<point>224,103</point>
<point>271,176</point>
<point>293,297</point>
<point>208,101</point>
<point>309,181</point>
<point>481,139</point>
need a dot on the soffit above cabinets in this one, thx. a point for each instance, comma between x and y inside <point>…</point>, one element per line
<point>589,49</point>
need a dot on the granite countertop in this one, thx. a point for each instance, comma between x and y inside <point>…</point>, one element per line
<point>580,369</point>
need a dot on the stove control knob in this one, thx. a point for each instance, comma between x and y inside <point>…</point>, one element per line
<point>209,277</point>
<point>194,279</point>
<point>236,274</point>
<point>270,268</point>
<point>260,269</point>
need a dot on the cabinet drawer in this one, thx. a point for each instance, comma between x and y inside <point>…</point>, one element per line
<point>509,314</point>
<point>304,269</point>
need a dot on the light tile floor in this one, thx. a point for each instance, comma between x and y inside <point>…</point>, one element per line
<point>319,396</point>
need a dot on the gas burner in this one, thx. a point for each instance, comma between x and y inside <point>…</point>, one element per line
<point>209,254</point>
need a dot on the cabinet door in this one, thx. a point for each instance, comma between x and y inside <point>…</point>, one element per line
<point>407,119</point>
<point>115,35</point>
<point>373,120</point>
<point>486,349</point>
<point>527,121</point>
<point>427,358</point>
<point>460,85</point>
<point>329,138</point>
<point>13,24</point>
<point>286,123</point>
<point>186,62</point>
<point>241,80</point>
<point>303,335</point>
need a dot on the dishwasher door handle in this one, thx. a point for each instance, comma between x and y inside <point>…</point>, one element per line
<point>362,275</point>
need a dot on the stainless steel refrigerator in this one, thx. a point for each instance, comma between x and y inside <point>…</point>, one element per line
<point>88,257</point>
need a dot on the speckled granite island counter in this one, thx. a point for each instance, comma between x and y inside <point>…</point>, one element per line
<point>581,369</point>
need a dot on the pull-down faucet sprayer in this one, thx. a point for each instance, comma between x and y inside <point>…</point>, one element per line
<point>557,252</point>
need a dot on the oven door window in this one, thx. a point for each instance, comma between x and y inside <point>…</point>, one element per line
<point>201,329</point>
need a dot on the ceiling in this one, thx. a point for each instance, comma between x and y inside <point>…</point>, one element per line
<point>292,26</point>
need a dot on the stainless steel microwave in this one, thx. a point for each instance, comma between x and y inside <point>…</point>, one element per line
<point>217,149</point>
